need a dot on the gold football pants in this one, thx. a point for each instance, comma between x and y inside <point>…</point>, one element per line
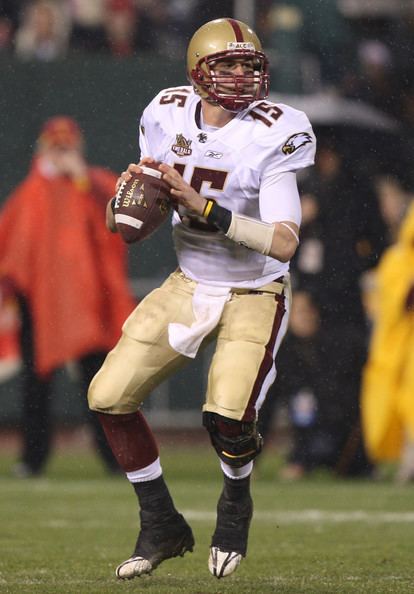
<point>242,369</point>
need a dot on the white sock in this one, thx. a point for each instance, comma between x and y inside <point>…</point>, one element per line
<point>149,473</point>
<point>237,473</point>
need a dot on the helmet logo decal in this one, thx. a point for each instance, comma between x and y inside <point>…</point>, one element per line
<point>296,141</point>
<point>182,146</point>
<point>240,45</point>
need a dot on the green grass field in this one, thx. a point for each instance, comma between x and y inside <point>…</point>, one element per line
<point>66,533</point>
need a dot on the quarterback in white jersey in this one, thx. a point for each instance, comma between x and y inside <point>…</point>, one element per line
<point>247,166</point>
<point>230,158</point>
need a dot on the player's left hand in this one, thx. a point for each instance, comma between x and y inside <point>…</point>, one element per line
<point>181,191</point>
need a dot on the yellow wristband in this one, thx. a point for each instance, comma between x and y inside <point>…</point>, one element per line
<point>208,208</point>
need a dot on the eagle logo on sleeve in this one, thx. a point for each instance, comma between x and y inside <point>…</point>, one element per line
<point>296,141</point>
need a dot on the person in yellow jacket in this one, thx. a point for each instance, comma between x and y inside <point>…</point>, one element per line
<point>387,397</point>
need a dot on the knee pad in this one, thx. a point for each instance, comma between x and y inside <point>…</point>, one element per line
<point>236,442</point>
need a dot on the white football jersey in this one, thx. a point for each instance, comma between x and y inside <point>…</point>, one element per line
<point>238,166</point>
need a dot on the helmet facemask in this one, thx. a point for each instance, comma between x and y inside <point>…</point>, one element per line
<point>229,91</point>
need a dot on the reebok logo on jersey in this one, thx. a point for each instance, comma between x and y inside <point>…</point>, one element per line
<point>296,141</point>
<point>213,154</point>
<point>182,146</point>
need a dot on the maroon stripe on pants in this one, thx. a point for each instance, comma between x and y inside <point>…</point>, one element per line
<point>268,360</point>
<point>236,28</point>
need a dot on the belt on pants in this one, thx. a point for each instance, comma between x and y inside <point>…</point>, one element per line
<point>276,287</point>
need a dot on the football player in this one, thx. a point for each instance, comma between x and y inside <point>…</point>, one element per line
<point>231,158</point>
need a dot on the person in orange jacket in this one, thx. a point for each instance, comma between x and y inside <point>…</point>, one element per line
<point>69,274</point>
<point>10,356</point>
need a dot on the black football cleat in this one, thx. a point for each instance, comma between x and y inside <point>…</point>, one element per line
<point>229,542</point>
<point>159,539</point>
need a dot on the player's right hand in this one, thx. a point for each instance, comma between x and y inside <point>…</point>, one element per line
<point>132,168</point>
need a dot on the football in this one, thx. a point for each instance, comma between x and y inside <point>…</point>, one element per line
<point>142,204</point>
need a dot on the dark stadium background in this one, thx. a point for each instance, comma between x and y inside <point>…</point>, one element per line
<point>106,95</point>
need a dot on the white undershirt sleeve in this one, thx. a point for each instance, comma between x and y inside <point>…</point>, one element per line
<point>279,198</point>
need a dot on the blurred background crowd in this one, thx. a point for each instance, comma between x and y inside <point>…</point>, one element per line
<point>361,50</point>
<point>349,66</point>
